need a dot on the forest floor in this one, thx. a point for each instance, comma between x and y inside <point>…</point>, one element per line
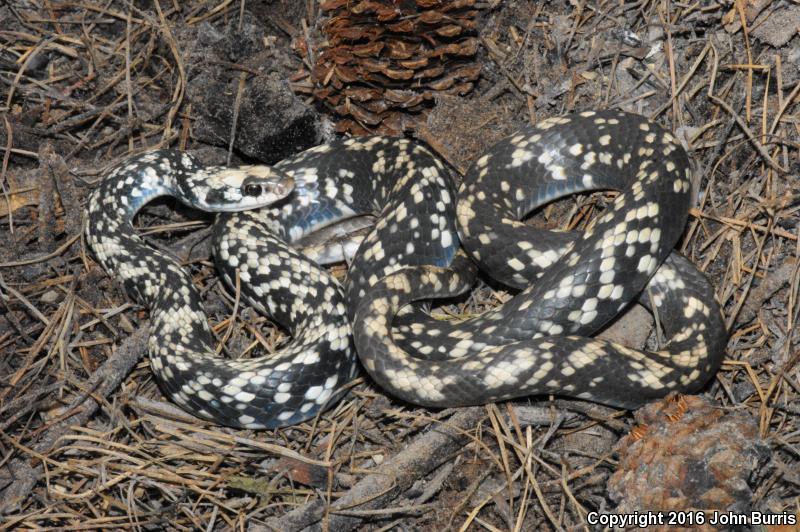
<point>87,439</point>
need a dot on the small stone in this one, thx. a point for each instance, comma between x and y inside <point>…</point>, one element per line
<point>50,297</point>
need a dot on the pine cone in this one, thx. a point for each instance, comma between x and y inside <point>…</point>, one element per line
<point>686,455</point>
<point>384,60</point>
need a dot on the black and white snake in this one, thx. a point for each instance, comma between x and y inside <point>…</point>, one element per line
<point>536,343</point>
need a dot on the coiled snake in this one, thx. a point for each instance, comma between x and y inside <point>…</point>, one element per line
<point>536,343</point>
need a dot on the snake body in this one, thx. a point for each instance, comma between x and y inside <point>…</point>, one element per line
<point>536,343</point>
<point>394,178</point>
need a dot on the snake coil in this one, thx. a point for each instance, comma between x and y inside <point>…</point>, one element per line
<point>537,343</point>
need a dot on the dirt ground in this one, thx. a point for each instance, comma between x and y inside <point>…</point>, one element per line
<point>88,441</point>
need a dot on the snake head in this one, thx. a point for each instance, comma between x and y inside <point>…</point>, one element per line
<point>220,189</point>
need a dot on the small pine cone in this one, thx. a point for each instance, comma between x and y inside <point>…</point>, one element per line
<point>384,60</point>
<point>686,455</point>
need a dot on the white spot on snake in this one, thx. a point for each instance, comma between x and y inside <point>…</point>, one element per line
<point>244,397</point>
<point>516,264</point>
<point>447,239</point>
<point>645,263</point>
<point>281,397</point>
<point>520,156</point>
<point>557,172</point>
<point>313,392</point>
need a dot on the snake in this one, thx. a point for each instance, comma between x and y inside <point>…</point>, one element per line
<point>429,241</point>
<point>570,285</point>
<point>265,214</point>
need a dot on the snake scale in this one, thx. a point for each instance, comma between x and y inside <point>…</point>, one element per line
<point>570,285</point>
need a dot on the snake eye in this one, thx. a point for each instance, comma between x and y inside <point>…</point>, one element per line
<point>252,190</point>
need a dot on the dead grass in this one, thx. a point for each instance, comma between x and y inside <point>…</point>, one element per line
<point>87,440</point>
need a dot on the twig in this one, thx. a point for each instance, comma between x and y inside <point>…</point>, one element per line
<point>383,486</point>
<point>21,475</point>
<point>753,140</point>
